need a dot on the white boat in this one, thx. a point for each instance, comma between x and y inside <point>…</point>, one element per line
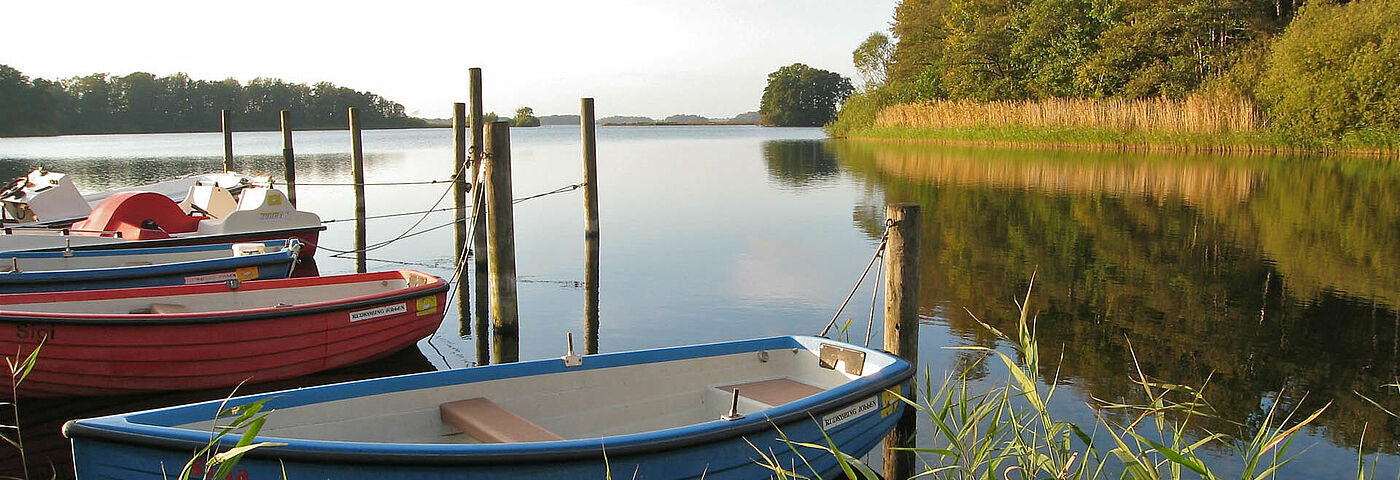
<point>44,210</point>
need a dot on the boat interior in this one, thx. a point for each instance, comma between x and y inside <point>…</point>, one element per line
<point>576,404</point>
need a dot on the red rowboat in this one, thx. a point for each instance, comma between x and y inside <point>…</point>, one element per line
<point>110,342</point>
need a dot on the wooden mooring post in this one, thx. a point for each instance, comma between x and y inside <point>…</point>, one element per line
<point>289,159</point>
<point>590,229</point>
<point>226,124</point>
<point>357,164</point>
<point>482,292</point>
<point>500,246</point>
<point>459,224</point>
<point>902,324</point>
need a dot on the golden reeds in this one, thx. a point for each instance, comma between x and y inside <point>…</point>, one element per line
<point>1199,113</point>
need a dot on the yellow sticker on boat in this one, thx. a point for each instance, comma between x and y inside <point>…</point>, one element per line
<point>247,273</point>
<point>427,306</point>
<point>891,400</point>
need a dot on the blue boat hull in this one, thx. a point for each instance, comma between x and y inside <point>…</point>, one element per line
<point>730,459</point>
<point>277,264</point>
<point>854,419</point>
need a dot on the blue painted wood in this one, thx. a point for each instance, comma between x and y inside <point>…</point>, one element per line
<point>146,445</point>
<point>273,264</point>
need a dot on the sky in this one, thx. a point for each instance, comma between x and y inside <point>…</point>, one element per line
<point>635,57</point>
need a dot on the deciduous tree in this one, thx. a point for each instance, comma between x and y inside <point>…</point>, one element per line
<point>801,96</point>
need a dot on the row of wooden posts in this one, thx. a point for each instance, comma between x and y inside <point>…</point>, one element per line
<point>493,232</point>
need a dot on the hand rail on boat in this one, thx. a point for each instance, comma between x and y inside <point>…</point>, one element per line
<point>60,231</point>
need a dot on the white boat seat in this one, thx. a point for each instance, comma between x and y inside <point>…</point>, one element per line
<point>774,392</point>
<point>488,422</point>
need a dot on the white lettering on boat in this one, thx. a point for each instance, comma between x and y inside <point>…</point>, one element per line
<point>832,420</point>
<point>377,312</point>
<point>211,278</point>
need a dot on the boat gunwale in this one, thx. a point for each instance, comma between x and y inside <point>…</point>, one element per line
<point>121,428</point>
<point>435,286</point>
<point>285,254</point>
<point>174,240</point>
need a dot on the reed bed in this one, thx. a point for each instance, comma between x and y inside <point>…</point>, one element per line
<point>1197,114</point>
<point>1007,431</point>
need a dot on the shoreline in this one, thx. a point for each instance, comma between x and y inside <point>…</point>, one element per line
<point>1101,140</point>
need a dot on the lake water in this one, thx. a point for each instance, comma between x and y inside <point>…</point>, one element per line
<point>1276,278</point>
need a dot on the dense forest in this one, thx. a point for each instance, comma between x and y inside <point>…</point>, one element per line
<point>141,102</point>
<point>1318,68</point>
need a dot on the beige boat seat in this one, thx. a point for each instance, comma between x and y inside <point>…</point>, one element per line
<point>488,422</point>
<point>774,392</point>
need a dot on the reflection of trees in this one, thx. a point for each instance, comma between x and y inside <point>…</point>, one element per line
<point>1262,279</point>
<point>799,163</point>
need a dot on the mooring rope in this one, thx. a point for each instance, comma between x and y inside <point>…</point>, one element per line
<point>376,184</point>
<point>879,252</point>
<point>391,215</point>
<point>406,234</point>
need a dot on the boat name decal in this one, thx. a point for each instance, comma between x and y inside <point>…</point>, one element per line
<point>263,216</point>
<point>427,305</point>
<point>832,420</point>
<point>211,278</point>
<point>25,330</point>
<point>377,312</point>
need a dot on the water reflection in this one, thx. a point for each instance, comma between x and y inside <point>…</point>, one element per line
<point>1260,274</point>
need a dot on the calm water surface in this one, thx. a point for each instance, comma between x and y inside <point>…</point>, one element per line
<point>1274,277</point>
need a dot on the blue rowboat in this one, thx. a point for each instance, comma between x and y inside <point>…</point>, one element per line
<point>652,414</point>
<point>49,271</point>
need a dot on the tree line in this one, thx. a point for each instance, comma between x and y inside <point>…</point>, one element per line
<point>141,103</point>
<point>1325,68</point>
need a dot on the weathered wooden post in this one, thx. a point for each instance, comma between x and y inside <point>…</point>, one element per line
<point>590,228</point>
<point>482,293</point>
<point>226,123</point>
<point>289,159</point>
<point>357,161</point>
<point>902,323</point>
<point>500,246</point>
<point>459,224</point>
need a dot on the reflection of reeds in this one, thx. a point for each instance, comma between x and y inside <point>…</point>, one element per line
<point>1194,114</point>
<point>1198,184</point>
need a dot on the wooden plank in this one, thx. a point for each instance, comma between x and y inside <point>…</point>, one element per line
<point>489,422</point>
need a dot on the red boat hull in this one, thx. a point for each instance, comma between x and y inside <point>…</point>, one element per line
<point>91,354</point>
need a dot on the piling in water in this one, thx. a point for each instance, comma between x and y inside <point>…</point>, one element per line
<point>357,163</point>
<point>500,246</point>
<point>289,160</point>
<point>902,323</point>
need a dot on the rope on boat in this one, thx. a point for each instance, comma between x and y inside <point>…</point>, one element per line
<point>879,253</point>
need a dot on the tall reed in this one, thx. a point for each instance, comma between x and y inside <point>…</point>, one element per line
<point>1199,113</point>
<point>1007,431</point>
<point>19,369</point>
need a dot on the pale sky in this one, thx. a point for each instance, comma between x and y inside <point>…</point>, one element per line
<point>636,57</point>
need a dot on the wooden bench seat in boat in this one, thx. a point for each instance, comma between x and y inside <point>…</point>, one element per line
<point>774,392</point>
<point>488,422</point>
